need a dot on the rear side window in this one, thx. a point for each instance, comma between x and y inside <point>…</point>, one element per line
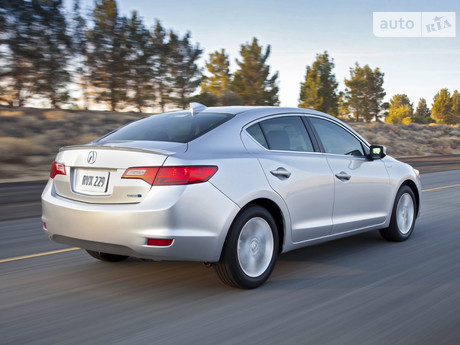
<point>287,133</point>
<point>335,139</point>
<point>178,127</point>
<point>256,132</point>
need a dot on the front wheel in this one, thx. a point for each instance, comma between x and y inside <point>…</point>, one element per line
<point>250,251</point>
<point>402,217</point>
<point>106,256</point>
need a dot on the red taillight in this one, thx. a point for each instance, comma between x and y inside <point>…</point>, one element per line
<point>159,242</point>
<point>165,176</point>
<point>184,175</point>
<point>57,169</point>
<point>147,174</point>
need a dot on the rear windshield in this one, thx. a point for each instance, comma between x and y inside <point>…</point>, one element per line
<point>178,127</point>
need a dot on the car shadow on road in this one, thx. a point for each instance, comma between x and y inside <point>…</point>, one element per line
<point>355,261</point>
<point>302,268</point>
<point>349,262</point>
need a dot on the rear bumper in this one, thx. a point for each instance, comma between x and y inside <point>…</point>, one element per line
<point>197,220</point>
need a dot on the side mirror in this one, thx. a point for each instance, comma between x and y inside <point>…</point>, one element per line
<point>377,152</point>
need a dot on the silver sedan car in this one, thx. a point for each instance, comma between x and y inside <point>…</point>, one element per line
<point>230,186</point>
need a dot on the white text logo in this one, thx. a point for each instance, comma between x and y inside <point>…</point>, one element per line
<point>414,24</point>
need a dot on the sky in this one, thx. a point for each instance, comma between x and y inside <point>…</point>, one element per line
<point>298,30</point>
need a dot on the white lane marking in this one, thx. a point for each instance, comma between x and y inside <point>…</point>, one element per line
<point>440,188</point>
<point>17,258</point>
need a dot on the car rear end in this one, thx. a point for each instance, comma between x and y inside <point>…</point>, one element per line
<point>122,197</point>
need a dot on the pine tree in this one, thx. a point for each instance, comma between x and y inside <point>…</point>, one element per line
<point>252,81</point>
<point>220,77</point>
<point>139,59</point>
<point>342,106</point>
<point>319,90</point>
<point>423,113</point>
<point>18,73</point>
<point>185,74</point>
<point>53,44</point>
<point>107,54</point>
<point>216,88</point>
<point>400,110</point>
<point>441,111</point>
<point>3,24</point>
<point>80,52</point>
<point>456,107</point>
<point>364,92</point>
<point>309,91</point>
<point>160,69</point>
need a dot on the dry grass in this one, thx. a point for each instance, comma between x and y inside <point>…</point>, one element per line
<point>10,113</point>
<point>413,139</point>
<point>30,138</point>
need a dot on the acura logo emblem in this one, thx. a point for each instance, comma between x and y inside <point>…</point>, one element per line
<point>92,157</point>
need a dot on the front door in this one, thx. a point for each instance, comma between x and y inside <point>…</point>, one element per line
<point>357,179</point>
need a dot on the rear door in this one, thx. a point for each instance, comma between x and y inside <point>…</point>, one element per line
<point>362,189</point>
<point>297,173</point>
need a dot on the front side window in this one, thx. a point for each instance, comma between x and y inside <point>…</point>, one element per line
<point>335,139</point>
<point>287,133</point>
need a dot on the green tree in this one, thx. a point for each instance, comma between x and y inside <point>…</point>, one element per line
<point>252,81</point>
<point>220,77</point>
<point>80,52</point>
<point>3,21</point>
<point>456,106</point>
<point>216,88</point>
<point>139,62</point>
<point>400,110</point>
<point>107,54</point>
<point>364,93</point>
<point>423,113</point>
<point>53,46</point>
<point>342,106</point>
<point>442,109</point>
<point>160,66</point>
<point>319,90</point>
<point>184,71</point>
<point>18,74</point>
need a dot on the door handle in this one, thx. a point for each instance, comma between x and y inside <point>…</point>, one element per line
<point>281,172</point>
<point>343,176</point>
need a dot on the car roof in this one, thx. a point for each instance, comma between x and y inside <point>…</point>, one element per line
<point>255,112</point>
<point>240,110</point>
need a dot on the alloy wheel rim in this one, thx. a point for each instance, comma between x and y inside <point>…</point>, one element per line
<point>255,247</point>
<point>405,213</point>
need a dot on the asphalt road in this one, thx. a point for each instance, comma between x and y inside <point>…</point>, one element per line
<point>20,199</point>
<point>359,290</point>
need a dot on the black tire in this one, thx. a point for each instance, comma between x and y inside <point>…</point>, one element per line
<point>230,268</point>
<point>106,256</point>
<point>400,232</point>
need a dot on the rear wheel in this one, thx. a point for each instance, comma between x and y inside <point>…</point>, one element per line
<point>402,217</point>
<point>250,251</point>
<point>106,256</point>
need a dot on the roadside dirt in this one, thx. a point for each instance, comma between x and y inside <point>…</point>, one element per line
<point>429,164</point>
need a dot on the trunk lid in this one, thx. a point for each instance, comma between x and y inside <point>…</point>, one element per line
<point>94,171</point>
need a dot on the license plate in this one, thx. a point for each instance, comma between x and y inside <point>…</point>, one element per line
<point>93,181</point>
